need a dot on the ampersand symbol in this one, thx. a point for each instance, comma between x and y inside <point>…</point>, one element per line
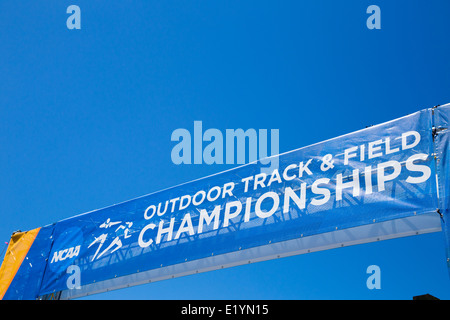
<point>327,163</point>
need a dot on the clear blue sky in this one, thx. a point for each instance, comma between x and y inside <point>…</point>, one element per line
<point>86,115</point>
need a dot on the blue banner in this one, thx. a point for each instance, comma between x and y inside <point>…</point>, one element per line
<point>441,117</point>
<point>386,173</point>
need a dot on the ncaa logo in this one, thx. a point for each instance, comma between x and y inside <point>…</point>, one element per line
<point>66,249</point>
<point>66,253</point>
